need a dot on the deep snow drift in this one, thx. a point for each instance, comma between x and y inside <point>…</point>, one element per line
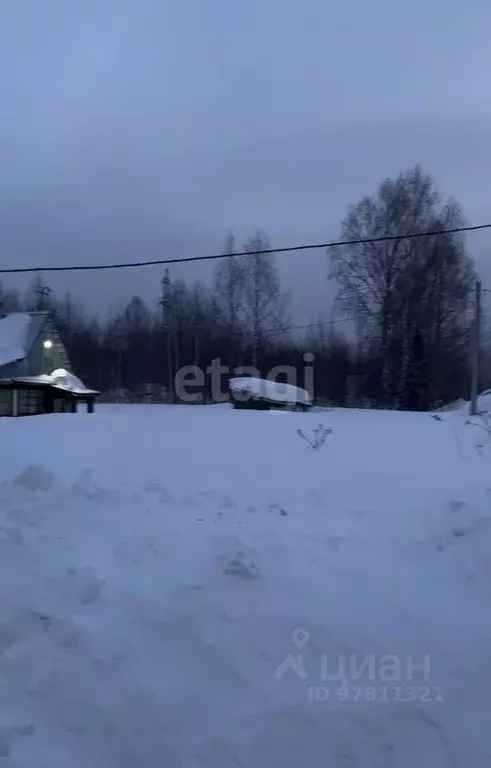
<point>195,586</point>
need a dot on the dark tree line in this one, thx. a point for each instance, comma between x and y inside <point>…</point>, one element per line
<point>408,301</point>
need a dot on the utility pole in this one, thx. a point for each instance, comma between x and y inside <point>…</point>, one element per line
<point>476,345</point>
<point>121,347</point>
<point>196,343</point>
<point>167,324</point>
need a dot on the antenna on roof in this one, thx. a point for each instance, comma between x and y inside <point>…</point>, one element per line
<point>43,291</point>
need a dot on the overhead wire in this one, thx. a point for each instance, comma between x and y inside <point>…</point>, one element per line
<point>264,251</point>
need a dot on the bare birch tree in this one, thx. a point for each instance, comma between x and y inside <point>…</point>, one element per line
<point>264,305</point>
<point>228,288</point>
<point>410,293</point>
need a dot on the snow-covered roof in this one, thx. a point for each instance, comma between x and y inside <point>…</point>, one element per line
<point>18,332</point>
<point>14,332</point>
<point>270,390</point>
<point>60,379</point>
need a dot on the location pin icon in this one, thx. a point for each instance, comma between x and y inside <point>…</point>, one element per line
<point>300,637</point>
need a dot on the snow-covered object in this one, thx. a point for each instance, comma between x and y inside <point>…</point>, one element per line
<point>13,336</point>
<point>276,391</point>
<point>66,380</point>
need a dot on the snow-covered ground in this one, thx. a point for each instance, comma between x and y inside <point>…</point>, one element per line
<point>194,586</point>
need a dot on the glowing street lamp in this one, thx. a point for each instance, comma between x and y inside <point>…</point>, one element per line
<point>47,344</point>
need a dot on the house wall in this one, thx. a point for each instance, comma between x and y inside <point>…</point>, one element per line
<point>5,402</point>
<point>41,360</point>
<point>29,400</point>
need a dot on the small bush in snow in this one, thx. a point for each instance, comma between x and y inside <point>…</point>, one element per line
<point>319,437</point>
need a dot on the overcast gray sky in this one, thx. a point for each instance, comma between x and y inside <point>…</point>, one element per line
<point>150,128</point>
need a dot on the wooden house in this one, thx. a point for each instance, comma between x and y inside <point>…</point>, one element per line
<point>35,372</point>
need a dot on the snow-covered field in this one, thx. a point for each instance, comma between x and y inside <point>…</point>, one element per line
<point>195,586</point>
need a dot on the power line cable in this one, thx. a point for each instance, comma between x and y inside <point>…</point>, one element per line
<point>211,257</point>
<point>286,328</point>
<point>318,324</point>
